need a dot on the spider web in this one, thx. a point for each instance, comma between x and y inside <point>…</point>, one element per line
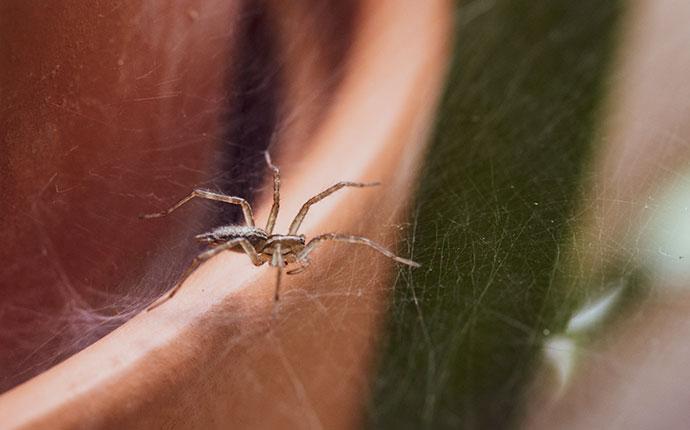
<point>508,220</point>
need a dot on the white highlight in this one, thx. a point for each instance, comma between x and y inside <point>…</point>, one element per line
<point>593,313</point>
<point>560,352</point>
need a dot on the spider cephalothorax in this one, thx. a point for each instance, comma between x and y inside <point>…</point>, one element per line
<point>261,245</point>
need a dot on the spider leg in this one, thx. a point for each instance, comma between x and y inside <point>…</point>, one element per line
<point>279,271</point>
<point>249,249</point>
<point>277,262</point>
<point>201,258</point>
<point>352,239</point>
<point>209,195</point>
<point>322,195</point>
<point>276,194</point>
<point>303,265</point>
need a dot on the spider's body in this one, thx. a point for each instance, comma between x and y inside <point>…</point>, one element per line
<point>261,245</point>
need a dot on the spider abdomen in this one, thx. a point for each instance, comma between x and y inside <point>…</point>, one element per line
<point>255,235</point>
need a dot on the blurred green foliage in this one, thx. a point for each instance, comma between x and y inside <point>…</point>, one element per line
<point>493,213</point>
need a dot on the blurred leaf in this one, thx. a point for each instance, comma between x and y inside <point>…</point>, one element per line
<point>493,212</point>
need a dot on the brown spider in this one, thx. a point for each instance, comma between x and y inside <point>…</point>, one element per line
<point>261,245</point>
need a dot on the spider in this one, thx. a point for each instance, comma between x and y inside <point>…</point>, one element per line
<point>262,245</point>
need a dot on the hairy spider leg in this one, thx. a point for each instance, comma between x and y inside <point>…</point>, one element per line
<point>209,195</point>
<point>278,263</point>
<point>297,222</point>
<point>276,194</point>
<point>352,239</point>
<point>244,243</point>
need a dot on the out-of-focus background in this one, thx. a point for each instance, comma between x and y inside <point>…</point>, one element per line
<point>553,220</point>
